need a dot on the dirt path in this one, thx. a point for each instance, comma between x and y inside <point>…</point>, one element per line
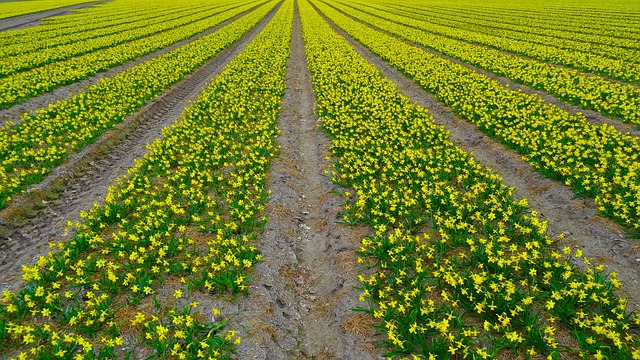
<point>601,239</point>
<point>593,117</point>
<point>86,177</point>
<point>22,21</point>
<point>302,293</point>
<point>14,112</point>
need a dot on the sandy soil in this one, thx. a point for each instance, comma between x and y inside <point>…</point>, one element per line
<point>23,21</point>
<point>87,175</point>
<point>302,292</point>
<point>601,239</point>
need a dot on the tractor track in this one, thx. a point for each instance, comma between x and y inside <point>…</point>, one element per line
<point>301,297</point>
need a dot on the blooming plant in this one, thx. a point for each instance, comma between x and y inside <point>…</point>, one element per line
<point>182,221</point>
<point>456,268</point>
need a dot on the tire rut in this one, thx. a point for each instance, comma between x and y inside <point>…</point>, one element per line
<point>301,296</point>
<point>85,178</point>
<point>601,239</point>
<point>14,112</point>
<point>593,117</point>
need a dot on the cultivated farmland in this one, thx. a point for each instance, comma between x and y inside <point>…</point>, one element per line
<point>320,179</point>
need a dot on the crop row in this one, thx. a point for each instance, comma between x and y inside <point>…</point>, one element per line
<point>456,268</point>
<point>31,60</point>
<point>94,17</point>
<point>507,22</point>
<point>589,92</point>
<point>34,146</point>
<point>38,40</point>
<point>613,68</point>
<point>106,11</point>
<point>608,51</point>
<point>181,222</point>
<point>11,9</point>
<point>597,161</point>
<point>593,23</point>
<point>24,85</point>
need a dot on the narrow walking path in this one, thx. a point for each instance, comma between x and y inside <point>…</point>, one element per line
<point>301,298</point>
<point>601,239</point>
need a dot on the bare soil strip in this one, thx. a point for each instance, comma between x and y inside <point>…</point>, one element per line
<point>593,117</point>
<point>85,178</point>
<point>14,112</point>
<point>300,299</point>
<point>601,239</point>
<point>33,19</point>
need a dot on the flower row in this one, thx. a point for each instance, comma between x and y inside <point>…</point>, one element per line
<point>50,53</point>
<point>605,34</point>
<point>24,85</point>
<point>596,161</point>
<point>81,20</point>
<point>614,68</point>
<point>613,52</point>
<point>12,9</point>
<point>456,267</point>
<point>580,20</point>
<point>32,147</point>
<point>43,38</point>
<point>590,92</point>
<point>178,228</point>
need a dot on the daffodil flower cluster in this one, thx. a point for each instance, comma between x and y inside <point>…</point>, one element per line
<point>456,267</point>
<point>182,220</point>
<point>543,25</point>
<point>457,23</point>
<point>12,9</point>
<point>24,85</point>
<point>596,161</point>
<point>619,69</point>
<point>139,30</point>
<point>180,334</point>
<point>44,37</point>
<point>34,146</point>
<point>590,92</point>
